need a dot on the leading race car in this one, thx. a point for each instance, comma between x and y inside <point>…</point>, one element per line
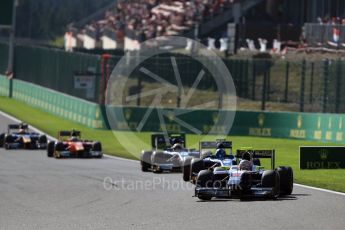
<point>222,157</point>
<point>168,153</point>
<point>70,144</point>
<point>18,136</point>
<point>233,181</point>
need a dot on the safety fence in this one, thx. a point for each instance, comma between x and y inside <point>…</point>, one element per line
<point>76,74</point>
<point>261,84</point>
<point>56,103</point>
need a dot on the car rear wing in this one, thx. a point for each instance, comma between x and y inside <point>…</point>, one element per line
<point>17,127</point>
<point>74,133</point>
<point>213,144</point>
<point>258,154</point>
<point>162,141</point>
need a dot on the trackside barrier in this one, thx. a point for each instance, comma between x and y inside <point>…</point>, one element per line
<point>304,126</point>
<point>62,105</point>
<point>4,86</point>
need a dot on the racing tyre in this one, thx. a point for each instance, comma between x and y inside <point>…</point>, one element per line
<point>2,140</point>
<point>97,146</point>
<point>271,179</point>
<point>8,140</point>
<point>58,148</point>
<point>246,181</point>
<point>205,180</point>
<point>43,139</point>
<point>286,180</point>
<point>196,166</point>
<point>245,185</point>
<point>50,149</point>
<point>186,168</point>
<point>145,160</point>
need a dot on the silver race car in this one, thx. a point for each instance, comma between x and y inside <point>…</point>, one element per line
<point>168,153</point>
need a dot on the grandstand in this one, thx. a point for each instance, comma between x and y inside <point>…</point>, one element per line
<point>125,24</point>
<point>128,23</point>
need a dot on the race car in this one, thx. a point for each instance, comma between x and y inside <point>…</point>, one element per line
<point>168,153</point>
<point>222,156</point>
<point>18,136</point>
<point>234,182</point>
<point>70,144</point>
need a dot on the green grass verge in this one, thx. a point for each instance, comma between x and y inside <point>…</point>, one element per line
<point>287,150</point>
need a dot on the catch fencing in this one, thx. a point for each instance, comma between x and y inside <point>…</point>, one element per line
<point>261,84</point>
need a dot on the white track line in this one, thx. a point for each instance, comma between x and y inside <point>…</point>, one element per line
<point>319,189</point>
<point>129,160</point>
<point>54,139</point>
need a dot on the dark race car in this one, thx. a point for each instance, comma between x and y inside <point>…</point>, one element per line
<point>212,154</point>
<point>255,181</point>
<point>168,153</point>
<point>70,144</point>
<point>18,136</point>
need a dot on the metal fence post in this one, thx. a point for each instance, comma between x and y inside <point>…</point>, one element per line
<point>287,70</point>
<point>301,103</point>
<point>254,79</point>
<point>246,86</point>
<point>139,91</point>
<point>311,83</point>
<point>268,71</point>
<point>264,89</point>
<point>325,84</point>
<point>338,88</point>
<point>238,67</point>
<point>11,67</point>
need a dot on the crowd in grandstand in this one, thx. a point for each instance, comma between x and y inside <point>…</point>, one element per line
<point>145,19</point>
<point>331,20</point>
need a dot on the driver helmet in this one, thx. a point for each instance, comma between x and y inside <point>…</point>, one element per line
<point>246,156</point>
<point>220,153</point>
<point>206,154</point>
<point>177,147</point>
<point>73,139</point>
<point>220,145</point>
<point>177,140</point>
<point>21,131</point>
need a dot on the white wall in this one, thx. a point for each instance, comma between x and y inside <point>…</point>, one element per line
<point>108,43</point>
<point>89,43</point>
